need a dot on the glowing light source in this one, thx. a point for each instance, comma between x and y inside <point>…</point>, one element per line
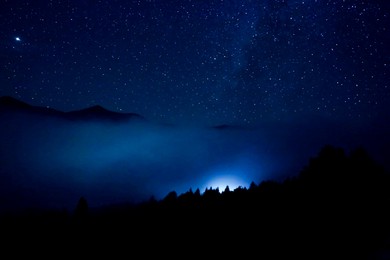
<point>222,181</point>
<point>237,173</point>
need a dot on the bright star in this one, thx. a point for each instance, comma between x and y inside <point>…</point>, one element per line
<point>17,39</point>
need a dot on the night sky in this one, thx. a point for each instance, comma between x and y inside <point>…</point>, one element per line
<point>208,62</point>
<point>289,76</point>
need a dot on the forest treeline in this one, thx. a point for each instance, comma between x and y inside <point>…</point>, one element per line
<point>337,207</point>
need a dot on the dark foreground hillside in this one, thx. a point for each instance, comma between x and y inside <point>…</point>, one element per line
<point>336,208</point>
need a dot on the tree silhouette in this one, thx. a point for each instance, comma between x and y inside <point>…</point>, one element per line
<point>337,205</point>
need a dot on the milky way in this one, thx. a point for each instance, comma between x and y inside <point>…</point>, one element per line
<point>208,62</point>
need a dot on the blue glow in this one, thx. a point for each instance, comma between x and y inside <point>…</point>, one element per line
<point>17,39</point>
<point>237,173</point>
<point>223,181</point>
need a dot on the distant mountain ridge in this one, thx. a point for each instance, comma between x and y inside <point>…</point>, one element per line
<point>10,104</point>
<point>99,112</point>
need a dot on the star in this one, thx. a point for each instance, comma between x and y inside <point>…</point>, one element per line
<point>17,39</point>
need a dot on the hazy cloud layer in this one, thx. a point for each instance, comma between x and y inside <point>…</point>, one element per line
<point>52,162</point>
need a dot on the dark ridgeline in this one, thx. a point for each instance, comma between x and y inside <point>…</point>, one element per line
<point>12,105</point>
<point>99,113</point>
<point>336,208</point>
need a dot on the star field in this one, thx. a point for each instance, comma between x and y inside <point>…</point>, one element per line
<point>209,62</point>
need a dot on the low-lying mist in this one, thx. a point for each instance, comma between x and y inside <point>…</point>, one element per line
<point>52,162</point>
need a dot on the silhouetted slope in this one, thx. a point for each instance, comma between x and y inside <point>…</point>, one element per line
<point>7,102</point>
<point>10,104</point>
<point>100,113</point>
<point>336,208</point>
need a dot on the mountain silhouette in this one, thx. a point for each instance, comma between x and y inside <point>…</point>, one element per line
<point>99,112</point>
<point>9,104</point>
